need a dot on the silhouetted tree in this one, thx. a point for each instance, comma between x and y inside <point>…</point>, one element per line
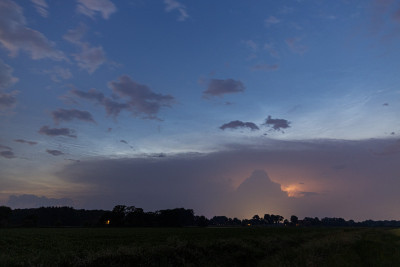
<point>5,213</point>
<point>294,219</point>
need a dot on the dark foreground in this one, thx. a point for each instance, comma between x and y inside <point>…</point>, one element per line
<point>264,246</point>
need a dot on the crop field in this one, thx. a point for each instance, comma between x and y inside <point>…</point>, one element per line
<point>258,246</point>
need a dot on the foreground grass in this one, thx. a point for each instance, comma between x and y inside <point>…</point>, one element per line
<point>199,247</point>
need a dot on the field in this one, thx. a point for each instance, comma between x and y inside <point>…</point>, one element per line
<point>265,246</point>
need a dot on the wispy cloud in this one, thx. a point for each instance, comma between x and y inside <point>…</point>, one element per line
<point>54,152</point>
<point>217,87</point>
<point>5,147</point>
<point>91,8</point>
<point>16,36</point>
<point>45,130</point>
<point>33,201</point>
<point>71,114</point>
<point>8,101</point>
<point>271,21</point>
<point>295,46</point>
<point>171,5</point>
<point>90,58</point>
<point>41,7</point>
<point>265,67</point>
<point>22,141</point>
<point>7,154</point>
<point>239,124</point>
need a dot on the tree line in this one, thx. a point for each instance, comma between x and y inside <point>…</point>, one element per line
<point>131,216</point>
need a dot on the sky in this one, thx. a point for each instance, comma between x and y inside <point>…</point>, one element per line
<point>229,108</point>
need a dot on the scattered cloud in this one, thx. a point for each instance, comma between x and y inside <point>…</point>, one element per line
<point>6,78</point>
<point>295,46</point>
<point>171,5</point>
<point>15,36</point>
<point>45,130</point>
<point>8,100</point>
<point>33,201</point>
<point>91,8</point>
<point>54,152</point>
<point>41,7</point>
<point>90,58</point>
<point>271,50</point>
<point>22,141</point>
<point>58,73</point>
<point>123,141</point>
<point>5,147</point>
<point>385,104</point>
<point>265,67</point>
<point>217,87</point>
<point>251,44</point>
<point>277,124</point>
<point>142,100</point>
<point>8,154</point>
<point>271,21</point>
<point>239,124</point>
<point>92,94</point>
<point>71,114</point>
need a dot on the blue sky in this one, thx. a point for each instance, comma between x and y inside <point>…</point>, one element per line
<point>169,84</point>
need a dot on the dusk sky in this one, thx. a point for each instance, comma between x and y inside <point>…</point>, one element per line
<point>229,108</point>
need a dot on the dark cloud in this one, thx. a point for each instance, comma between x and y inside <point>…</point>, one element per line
<point>33,201</point>
<point>390,149</point>
<point>91,8</point>
<point>277,124</point>
<point>7,100</point>
<point>171,5</point>
<point>265,67</point>
<point>385,104</point>
<point>54,152</point>
<point>5,147</point>
<point>142,100</point>
<point>239,124</point>
<point>71,114</point>
<point>25,142</point>
<point>15,36</point>
<point>217,87</point>
<point>92,94</point>
<point>7,154</point>
<point>123,141</point>
<point>215,183</point>
<point>56,131</point>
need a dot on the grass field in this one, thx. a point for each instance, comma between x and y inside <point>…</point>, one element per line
<point>199,247</point>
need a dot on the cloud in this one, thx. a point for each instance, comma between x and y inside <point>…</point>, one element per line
<point>113,108</point>
<point>391,149</point>
<point>90,8</point>
<point>239,124</point>
<point>5,147</point>
<point>171,5</point>
<point>71,114</point>
<point>6,78</point>
<point>90,58</point>
<point>58,73</point>
<point>217,87</point>
<point>22,141</point>
<point>294,46</point>
<point>265,67</point>
<point>277,124</point>
<point>218,183</point>
<point>271,21</point>
<point>54,152</point>
<point>7,154</point>
<point>271,50</point>
<point>41,7</point>
<point>8,100</point>
<point>15,36</point>
<point>251,44</point>
<point>45,130</point>
<point>33,201</point>
<point>123,141</point>
<point>142,100</point>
